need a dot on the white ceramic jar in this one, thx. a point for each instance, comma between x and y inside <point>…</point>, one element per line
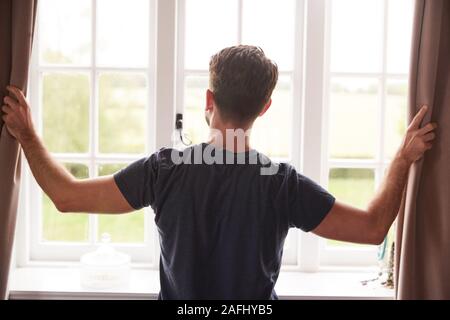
<point>105,268</point>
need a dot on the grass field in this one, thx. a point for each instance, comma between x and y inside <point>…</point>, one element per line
<point>352,186</point>
<point>75,227</point>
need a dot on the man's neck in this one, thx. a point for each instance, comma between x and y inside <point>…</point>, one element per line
<point>230,138</point>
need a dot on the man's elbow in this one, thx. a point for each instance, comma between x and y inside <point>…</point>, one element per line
<point>377,232</point>
<point>68,200</point>
<point>377,238</point>
<point>63,206</point>
<point>67,204</point>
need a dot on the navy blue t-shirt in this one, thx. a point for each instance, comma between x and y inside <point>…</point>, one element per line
<point>222,226</point>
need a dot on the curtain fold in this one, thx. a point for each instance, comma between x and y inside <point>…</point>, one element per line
<point>17,18</point>
<point>422,264</point>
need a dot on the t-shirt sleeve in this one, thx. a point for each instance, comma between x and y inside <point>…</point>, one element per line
<point>309,203</point>
<point>137,181</point>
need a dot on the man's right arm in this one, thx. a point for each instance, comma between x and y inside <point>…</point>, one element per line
<point>99,195</point>
<point>347,223</point>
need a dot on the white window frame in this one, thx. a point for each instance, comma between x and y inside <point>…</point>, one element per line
<point>310,80</point>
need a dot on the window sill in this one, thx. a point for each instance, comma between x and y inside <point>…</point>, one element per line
<point>64,283</point>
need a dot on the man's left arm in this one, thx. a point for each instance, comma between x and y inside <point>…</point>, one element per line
<point>99,195</point>
<point>347,223</point>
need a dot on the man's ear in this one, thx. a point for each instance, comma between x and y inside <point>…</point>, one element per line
<point>209,101</point>
<point>266,107</point>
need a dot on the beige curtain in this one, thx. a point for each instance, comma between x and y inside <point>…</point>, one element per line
<point>16,33</point>
<point>423,228</point>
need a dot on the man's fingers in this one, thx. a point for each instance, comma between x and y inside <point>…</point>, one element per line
<point>18,94</point>
<point>429,137</point>
<point>427,128</point>
<point>11,102</point>
<point>6,109</point>
<point>415,123</point>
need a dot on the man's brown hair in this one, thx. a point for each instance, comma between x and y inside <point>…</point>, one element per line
<point>242,80</point>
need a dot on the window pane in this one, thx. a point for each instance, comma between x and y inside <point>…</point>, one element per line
<point>65,112</point>
<point>275,38</point>
<point>271,133</point>
<point>290,249</point>
<point>122,113</point>
<point>395,117</point>
<point>125,227</point>
<point>122,32</point>
<point>353,118</point>
<point>352,186</point>
<point>210,26</point>
<point>399,35</point>
<point>356,35</point>
<point>68,226</point>
<point>194,110</point>
<point>65,31</point>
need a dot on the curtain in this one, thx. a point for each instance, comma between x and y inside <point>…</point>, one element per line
<point>17,19</point>
<point>423,228</point>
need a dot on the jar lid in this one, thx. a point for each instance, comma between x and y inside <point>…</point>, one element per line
<point>105,255</point>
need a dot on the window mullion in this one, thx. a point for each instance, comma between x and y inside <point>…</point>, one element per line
<point>150,234</point>
<point>167,82</point>
<point>298,84</point>
<point>297,103</point>
<point>165,71</point>
<point>109,158</point>
<point>383,97</point>
<point>93,132</point>
<point>313,116</point>
<point>180,56</point>
<point>240,13</point>
<point>36,101</point>
<point>353,163</point>
<point>367,75</point>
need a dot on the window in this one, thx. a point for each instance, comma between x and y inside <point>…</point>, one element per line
<point>338,111</point>
<point>366,87</point>
<point>90,76</point>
